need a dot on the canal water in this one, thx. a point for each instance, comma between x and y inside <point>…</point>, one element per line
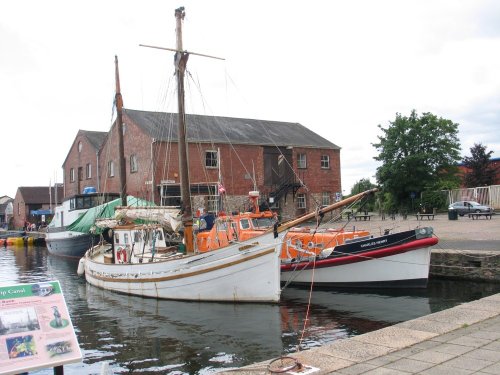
<point>148,336</point>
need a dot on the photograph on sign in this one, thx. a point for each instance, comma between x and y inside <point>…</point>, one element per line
<point>35,328</point>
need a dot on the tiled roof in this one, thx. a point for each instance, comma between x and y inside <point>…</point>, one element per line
<point>96,139</point>
<point>163,126</point>
<point>40,194</point>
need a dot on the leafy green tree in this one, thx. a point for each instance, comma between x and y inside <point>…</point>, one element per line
<point>417,153</point>
<point>480,171</point>
<point>363,185</point>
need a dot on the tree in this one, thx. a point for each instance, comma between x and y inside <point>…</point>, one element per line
<point>363,185</point>
<point>417,154</point>
<point>479,169</point>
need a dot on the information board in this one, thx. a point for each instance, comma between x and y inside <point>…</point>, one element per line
<point>35,328</point>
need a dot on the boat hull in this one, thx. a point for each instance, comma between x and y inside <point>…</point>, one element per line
<point>380,263</point>
<point>74,245</point>
<point>233,274</point>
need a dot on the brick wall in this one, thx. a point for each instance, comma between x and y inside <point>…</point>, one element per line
<point>239,163</point>
<point>19,210</point>
<point>79,158</point>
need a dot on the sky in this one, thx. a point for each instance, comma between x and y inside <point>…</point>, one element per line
<point>338,67</point>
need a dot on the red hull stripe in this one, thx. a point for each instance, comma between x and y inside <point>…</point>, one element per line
<point>348,259</point>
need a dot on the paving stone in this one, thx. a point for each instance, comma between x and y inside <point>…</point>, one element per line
<point>355,351</point>
<point>357,369</point>
<point>394,337</point>
<point>468,363</point>
<point>452,349</point>
<point>325,363</point>
<point>473,342</point>
<point>487,335</point>
<point>385,371</point>
<point>429,326</point>
<point>482,304</point>
<point>426,345</point>
<point>460,315</point>
<point>493,346</point>
<point>407,352</point>
<point>445,370</point>
<point>494,297</point>
<point>432,356</point>
<point>493,369</point>
<point>409,365</point>
<point>447,336</point>
<point>383,360</point>
<point>487,355</point>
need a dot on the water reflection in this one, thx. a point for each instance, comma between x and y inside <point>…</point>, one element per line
<point>152,336</point>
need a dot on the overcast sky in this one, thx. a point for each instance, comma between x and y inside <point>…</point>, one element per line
<point>339,68</point>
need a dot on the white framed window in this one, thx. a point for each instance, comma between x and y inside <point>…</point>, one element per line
<point>80,146</point>
<point>211,159</point>
<point>133,163</point>
<point>213,204</point>
<point>301,161</point>
<point>325,161</point>
<point>88,170</point>
<point>301,200</point>
<point>325,198</point>
<point>111,168</point>
<point>72,175</point>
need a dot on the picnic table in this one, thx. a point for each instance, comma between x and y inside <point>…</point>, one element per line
<point>421,216</point>
<point>362,216</point>
<point>477,215</point>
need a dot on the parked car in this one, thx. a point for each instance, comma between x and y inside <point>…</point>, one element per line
<point>466,207</point>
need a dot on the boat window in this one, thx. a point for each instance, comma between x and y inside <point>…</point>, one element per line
<point>79,203</point>
<point>262,222</point>
<point>159,235</point>
<point>235,230</point>
<point>137,236</point>
<point>87,202</point>
<point>125,238</point>
<point>117,238</point>
<point>244,224</point>
<point>221,225</point>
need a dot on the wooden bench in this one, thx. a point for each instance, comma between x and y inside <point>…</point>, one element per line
<point>477,215</point>
<point>428,216</point>
<point>361,216</point>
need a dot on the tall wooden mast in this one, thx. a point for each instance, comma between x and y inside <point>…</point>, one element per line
<point>119,129</point>
<point>180,62</point>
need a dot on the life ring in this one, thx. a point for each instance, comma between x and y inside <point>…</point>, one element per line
<point>121,255</point>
